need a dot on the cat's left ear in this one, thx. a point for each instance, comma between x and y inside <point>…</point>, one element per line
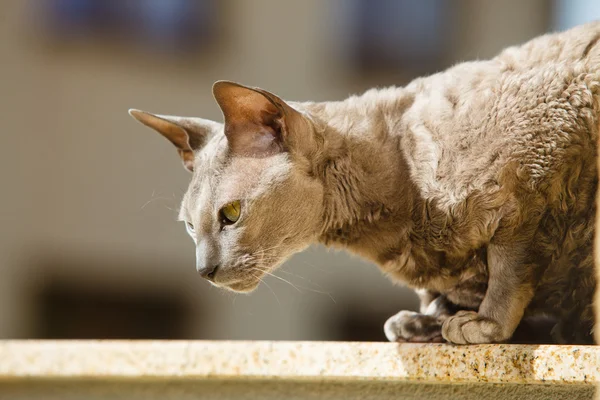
<point>186,133</point>
<point>258,123</point>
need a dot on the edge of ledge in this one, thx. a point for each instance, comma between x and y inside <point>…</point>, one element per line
<point>435,363</point>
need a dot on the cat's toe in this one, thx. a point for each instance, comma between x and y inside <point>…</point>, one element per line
<point>468,327</point>
<point>410,326</point>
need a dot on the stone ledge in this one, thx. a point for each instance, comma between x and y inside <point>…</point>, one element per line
<point>297,361</point>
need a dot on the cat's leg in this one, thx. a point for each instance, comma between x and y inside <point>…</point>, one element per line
<point>420,327</point>
<point>576,325</point>
<point>576,322</point>
<point>509,292</point>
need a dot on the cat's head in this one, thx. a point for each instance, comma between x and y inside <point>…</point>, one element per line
<point>253,200</point>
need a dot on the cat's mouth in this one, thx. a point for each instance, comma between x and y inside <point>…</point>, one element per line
<point>244,276</point>
<point>243,287</point>
<point>240,284</point>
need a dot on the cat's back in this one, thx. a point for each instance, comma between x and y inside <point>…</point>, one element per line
<point>536,104</point>
<point>574,45</point>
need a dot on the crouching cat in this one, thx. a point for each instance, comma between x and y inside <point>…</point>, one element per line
<point>475,186</point>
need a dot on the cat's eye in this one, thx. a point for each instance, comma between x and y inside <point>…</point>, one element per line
<point>230,212</point>
<point>190,226</point>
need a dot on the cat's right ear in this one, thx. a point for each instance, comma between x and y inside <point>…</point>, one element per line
<point>186,133</point>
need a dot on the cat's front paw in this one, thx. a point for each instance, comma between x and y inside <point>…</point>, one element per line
<point>468,327</point>
<point>410,326</point>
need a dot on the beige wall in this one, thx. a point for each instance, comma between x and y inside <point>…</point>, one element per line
<point>82,180</point>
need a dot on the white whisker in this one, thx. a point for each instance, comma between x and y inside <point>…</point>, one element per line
<point>278,277</point>
<point>329,272</point>
<point>269,287</point>
<point>297,287</point>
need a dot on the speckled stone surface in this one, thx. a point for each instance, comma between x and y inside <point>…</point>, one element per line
<point>230,370</point>
<point>300,360</point>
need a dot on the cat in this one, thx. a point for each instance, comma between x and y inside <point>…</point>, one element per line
<point>475,186</point>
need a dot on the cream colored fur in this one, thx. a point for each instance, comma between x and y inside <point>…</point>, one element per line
<point>475,185</point>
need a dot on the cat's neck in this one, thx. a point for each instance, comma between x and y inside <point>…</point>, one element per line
<point>369,195</point>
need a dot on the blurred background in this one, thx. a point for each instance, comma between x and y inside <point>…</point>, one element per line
<point>89,246</point>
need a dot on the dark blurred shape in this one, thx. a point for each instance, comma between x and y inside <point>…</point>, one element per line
<point>363,321</point>
<point>71,312</point>
<point>400,34</point>
<point>105,307</point>
<point>163,25</point>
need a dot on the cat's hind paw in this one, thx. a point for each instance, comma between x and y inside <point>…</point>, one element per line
<point>410,326</point>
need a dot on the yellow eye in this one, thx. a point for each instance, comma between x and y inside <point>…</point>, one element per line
<point>230,213</point>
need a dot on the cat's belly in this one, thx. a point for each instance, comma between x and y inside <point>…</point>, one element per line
<point>468,293</point>
<point>462,281</point>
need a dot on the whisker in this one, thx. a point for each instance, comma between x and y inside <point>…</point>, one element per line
<point>323,270</point>
<point>267,285</point>
<point>263,257</point>
<point>301,277</point>
<point>278,277</point>
<point>328,294</point>
<point>272,291</point>
<point>154,199</point>
<point>298,287</point>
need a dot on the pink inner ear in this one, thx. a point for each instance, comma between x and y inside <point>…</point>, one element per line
<point>253,122</point>
<point>253,127</point>
<point>253,140</point>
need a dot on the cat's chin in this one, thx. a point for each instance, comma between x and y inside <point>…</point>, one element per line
<point>241,287</point>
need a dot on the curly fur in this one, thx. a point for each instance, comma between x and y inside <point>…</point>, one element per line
<point>475,186</point>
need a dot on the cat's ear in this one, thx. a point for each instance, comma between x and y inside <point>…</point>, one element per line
<point>186,133</point>
<point>257,123</point>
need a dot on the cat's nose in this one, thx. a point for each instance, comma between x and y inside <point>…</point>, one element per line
<point>207,259</point>
<point>208,271</point>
